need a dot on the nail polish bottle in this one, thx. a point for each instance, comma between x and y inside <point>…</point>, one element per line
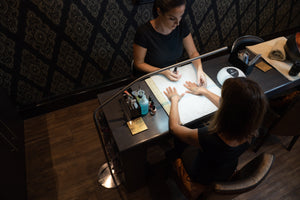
<point>152,110</point>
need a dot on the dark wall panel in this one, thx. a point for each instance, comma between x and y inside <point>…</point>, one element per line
<point>49,49</point>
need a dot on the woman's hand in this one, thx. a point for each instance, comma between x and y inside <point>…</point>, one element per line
<point>201,78</point>
<point>172,76</point>
<point>172,94</point>
<point>193,88</point>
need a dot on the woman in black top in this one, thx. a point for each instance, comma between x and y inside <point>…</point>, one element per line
<point>160,42</point>
<point>242,106</point>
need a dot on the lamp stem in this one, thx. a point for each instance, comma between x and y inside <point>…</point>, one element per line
<point>96,120</point>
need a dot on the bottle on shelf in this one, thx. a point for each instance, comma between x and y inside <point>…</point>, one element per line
<point>144,104</point>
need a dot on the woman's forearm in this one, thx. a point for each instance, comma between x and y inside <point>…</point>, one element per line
<point>197,63</point>
<point>187,135</point>
<point>174,115</point>
<point>215,99</point>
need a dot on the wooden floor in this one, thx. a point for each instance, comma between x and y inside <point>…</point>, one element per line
<point>63,156</point>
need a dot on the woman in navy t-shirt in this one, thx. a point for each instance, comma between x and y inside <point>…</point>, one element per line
<point>160,42</point>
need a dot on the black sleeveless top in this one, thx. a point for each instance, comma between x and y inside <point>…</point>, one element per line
<point>215,162</point>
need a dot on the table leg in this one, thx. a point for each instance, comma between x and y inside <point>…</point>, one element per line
<point>133,164</point>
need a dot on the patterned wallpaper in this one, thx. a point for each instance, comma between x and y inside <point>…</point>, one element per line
<point>51,48</point>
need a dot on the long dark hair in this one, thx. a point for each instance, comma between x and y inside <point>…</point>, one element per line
<point>166,5</point>
<point>241,111</point>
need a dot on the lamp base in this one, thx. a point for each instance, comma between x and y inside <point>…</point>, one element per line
<point>105,178</point>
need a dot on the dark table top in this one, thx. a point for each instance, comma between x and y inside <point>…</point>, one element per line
<point>157,124</point>
<point>272,83</point>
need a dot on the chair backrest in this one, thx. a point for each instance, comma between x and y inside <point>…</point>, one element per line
<point>243,41</point>
<point>288,123</point>
<point>245,179</point>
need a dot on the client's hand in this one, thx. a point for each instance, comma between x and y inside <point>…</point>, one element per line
<point>172,94</point>
<point>194,88</point>
<point>172,76</point>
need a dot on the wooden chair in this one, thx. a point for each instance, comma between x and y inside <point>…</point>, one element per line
<point>246,179</point>
<point>286,124</point>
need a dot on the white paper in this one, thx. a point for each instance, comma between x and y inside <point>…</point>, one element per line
<point>191,107</point>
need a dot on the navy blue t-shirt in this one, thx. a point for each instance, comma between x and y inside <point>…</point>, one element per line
<point>216,161</point>
<point>162,50</point>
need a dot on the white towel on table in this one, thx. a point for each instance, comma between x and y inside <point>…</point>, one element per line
<point>277,52</point>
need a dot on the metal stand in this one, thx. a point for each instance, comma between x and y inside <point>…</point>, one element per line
<point>105,176</point>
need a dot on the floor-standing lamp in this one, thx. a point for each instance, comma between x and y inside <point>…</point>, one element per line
<point>107,176</point>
